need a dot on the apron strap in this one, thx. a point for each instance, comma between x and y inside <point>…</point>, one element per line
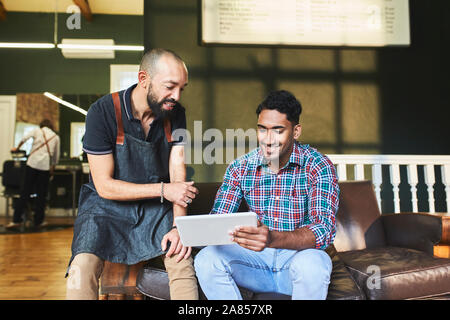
<point>168,130</point>
<point>118,109</point>
<point>120,132</point>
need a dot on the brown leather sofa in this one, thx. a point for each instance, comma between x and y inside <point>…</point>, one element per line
<point>374,256</point>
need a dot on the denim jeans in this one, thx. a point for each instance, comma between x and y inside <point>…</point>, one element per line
<point>305,274</point>
<point>35,181</point>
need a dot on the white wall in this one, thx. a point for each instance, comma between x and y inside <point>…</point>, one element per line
<point>7,125</point>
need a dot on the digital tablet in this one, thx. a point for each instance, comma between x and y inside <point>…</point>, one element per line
<point>212,229</point>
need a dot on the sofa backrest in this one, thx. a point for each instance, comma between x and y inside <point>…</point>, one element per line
<point>357,220</point>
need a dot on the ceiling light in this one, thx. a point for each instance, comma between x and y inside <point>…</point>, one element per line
<point>65,103</point>
<point>27,45</point>
<point>93,48</point>
<point>101,47</point>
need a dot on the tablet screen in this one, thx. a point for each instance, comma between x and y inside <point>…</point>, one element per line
<point>212,229</point>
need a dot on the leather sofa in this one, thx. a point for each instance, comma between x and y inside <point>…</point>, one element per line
<point>374,256</point>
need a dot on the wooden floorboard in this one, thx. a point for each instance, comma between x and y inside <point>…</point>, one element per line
<point>33,265</point>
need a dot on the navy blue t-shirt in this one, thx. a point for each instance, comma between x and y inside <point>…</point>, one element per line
<point>101,125</point>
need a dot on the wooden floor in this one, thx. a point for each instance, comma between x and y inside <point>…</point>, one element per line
<point>33,265</point>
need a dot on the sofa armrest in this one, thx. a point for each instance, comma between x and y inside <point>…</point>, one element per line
<point>420,231</point>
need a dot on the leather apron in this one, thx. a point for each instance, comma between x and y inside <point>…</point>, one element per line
<point>126,231</point>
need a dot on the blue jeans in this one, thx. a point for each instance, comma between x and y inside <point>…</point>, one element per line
<point>305,274</point>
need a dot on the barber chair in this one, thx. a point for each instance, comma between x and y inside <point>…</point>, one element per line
<point>13,177</point>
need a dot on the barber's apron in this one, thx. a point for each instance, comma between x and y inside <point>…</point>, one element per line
<point>126,231</point>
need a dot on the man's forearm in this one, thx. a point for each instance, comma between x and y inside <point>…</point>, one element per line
<point>299,239</point>
<point>126,191</point>
<point>102,172</point>
<point>19,145</point>
<point>177,171</point>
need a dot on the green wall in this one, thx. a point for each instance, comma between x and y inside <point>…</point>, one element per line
<point>79,81</point>
<point>337,88</point>
<point>39,70</point>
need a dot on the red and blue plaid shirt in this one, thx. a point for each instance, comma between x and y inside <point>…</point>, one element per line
<point>304,193</point>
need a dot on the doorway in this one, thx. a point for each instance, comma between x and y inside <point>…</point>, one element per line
<point>7,123</point>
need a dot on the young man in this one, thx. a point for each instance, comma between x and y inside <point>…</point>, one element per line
<point>43,157</point>
<point>294,191</point>
<point>126,212</point>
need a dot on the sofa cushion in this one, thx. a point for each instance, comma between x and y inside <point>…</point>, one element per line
<point>153,282</point>
<point>398,273</point>
<point>342,286</point>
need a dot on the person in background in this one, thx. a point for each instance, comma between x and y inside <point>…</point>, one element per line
<point>294,191</point>
<point>43,157</point>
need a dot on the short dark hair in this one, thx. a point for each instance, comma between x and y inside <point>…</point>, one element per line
<point>46,123</point>
<point>284,102</point>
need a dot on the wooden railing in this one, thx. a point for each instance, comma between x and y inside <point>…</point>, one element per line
<point>370,167</point>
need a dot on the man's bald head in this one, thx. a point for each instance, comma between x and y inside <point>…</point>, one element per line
<point>149,62</point>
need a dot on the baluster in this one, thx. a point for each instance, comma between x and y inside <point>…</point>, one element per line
<point>411,170</point>
<point>429,180</point>
<point>445,172</point>
<point>359,171</point>
<point>342,171</point>
<point>377,180</point>
<point>394,170</point>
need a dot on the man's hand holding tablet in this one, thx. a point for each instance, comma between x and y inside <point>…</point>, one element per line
<point>253,238</point>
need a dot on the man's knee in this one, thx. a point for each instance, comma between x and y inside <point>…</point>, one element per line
<point>183,268</point>
<point>87,264</point>
<point>84,272</point>
<point>310,264</point>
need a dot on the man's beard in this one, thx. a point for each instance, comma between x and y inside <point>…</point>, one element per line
<point>157,107</point>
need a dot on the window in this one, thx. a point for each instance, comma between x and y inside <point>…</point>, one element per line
<point>77,130</point>
<point>123,76</point>
<point>22,129</point>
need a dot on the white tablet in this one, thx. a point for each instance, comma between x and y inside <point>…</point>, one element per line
<point>212,229</point>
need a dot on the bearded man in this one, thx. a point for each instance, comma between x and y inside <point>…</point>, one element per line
<point>137,181</point>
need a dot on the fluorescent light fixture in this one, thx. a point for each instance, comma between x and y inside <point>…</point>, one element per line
<point>65,103</point>
<point>92,48</point>
<point>100,47</point>
<point>27,45</point>
<point>41,45</point>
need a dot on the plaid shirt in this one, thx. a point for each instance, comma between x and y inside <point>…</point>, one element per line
<point>304,193</point>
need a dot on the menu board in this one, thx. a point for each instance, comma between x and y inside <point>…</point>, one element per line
<point>361,23</point>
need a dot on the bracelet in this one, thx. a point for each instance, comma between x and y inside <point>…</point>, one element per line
<point>173,227</point>
<point>162,192</point>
